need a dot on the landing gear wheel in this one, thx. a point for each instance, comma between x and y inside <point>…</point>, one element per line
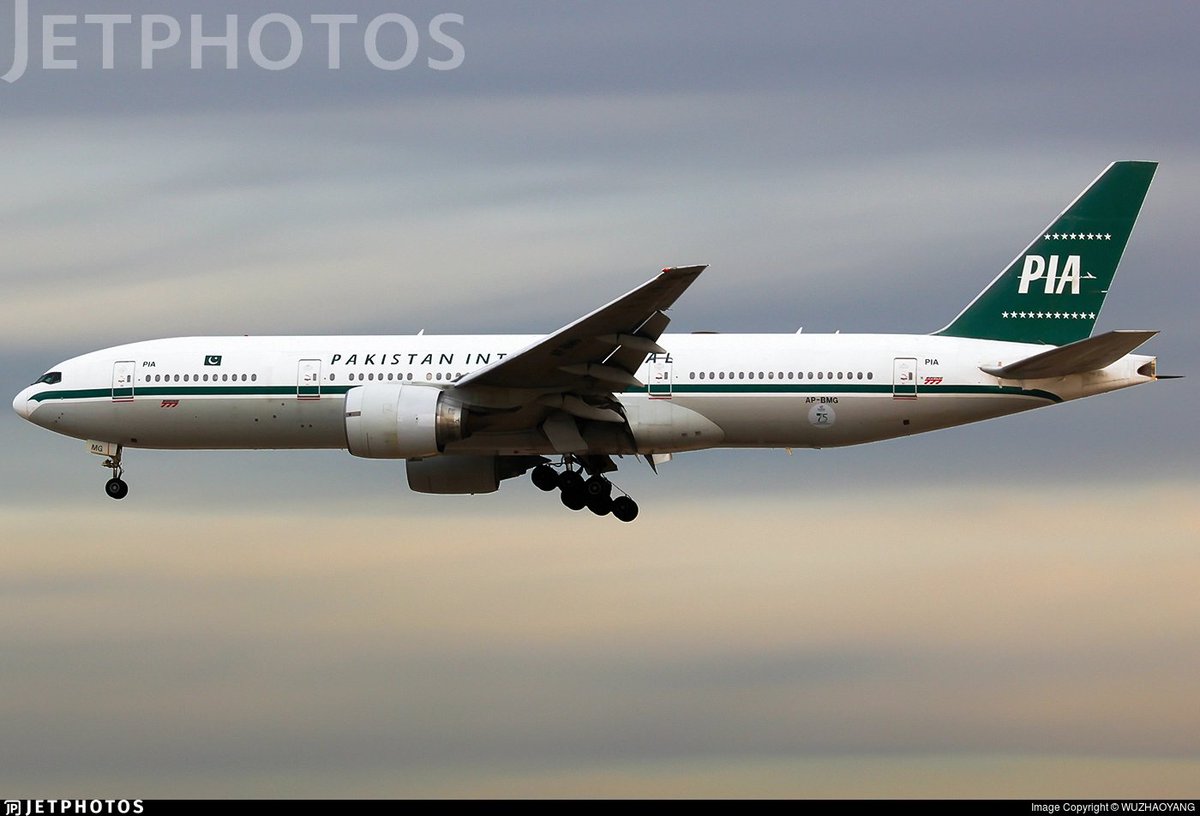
<point>624,508</point>
<point>601,505</point>
<point>116,488</point>
<point>574,499</point>
<point>570,481</point>
<point>544,477</point>
<point>598,486</point>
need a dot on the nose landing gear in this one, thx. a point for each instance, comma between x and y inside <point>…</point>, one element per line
<point>116,487</point>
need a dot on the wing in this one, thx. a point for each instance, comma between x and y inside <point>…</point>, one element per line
<point>598,353</point>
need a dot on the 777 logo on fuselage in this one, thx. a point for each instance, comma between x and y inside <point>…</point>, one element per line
<point>1056,280</point>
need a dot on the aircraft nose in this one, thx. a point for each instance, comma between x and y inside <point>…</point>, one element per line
<point>22,404</point>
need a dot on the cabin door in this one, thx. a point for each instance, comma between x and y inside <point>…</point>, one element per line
<point>122,381</point>
<point>658,385</point>
<point>904,378</point>
<point>308,380</point>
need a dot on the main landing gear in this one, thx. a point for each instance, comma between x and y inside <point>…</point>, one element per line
<point>577,492</point>
<point>116,487</point>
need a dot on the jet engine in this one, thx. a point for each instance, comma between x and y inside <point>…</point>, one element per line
<point>401,420</point>
<point>454,474</point>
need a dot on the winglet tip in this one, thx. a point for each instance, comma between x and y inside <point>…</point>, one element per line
<point>679,270</point>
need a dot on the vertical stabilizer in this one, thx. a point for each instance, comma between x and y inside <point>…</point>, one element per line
<point>1052,292</point>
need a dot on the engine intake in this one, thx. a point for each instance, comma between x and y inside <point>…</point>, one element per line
<point>401,421</point>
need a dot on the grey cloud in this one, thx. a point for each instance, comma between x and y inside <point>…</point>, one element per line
<point>231,650</point>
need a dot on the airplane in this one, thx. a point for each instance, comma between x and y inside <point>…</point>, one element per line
<point>468,412</point>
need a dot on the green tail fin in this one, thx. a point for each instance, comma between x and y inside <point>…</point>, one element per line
<point>1053,291</point>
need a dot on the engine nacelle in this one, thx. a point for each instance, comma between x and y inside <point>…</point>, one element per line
<point>401,421</point>
<point>454,474</point>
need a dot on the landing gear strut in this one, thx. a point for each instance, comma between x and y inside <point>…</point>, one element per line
<point>116,487</point>
<point>576,492</point>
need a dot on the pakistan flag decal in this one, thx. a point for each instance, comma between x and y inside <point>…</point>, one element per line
<point>212,359</point>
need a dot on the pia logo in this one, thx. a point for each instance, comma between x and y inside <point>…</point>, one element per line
<point>1055,278</point>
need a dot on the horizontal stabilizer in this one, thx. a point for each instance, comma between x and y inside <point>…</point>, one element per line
<point>1090,354</point>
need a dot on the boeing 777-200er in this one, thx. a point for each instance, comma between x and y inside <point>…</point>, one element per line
<point>467,412</point>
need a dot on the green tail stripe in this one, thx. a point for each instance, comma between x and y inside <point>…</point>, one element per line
<point>1053,291</point>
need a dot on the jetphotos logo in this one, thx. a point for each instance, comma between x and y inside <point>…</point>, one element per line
<point>273,42</point>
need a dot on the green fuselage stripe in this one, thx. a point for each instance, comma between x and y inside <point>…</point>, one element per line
<point>689,389</point>
<point>849,389</point>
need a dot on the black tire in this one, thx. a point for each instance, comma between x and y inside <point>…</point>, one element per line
<point>600,505</point>
<point>598,486</point>
<point>574,499</point>
<point>544,477</point>
<point>624,508</point>
<point>116,488</point>
<point>570,481</point>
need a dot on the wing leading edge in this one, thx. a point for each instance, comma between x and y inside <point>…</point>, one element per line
<point>601,351</point>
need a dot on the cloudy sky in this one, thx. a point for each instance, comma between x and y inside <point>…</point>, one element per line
<point>1006,609</point>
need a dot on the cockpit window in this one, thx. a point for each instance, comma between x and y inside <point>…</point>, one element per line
<point>50,378</point>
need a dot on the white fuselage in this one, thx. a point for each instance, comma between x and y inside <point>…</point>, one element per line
<point>760,390</point>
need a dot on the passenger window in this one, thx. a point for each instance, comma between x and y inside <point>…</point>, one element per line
<point>870,375</point>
